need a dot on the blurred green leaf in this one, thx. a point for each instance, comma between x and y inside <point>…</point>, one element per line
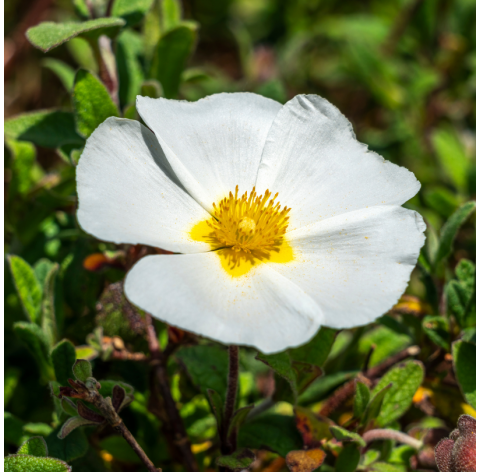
<point>385,467</point>
<point>171,14</point>
<point>49,320</point>
<point>49,35</point>
<point>361,399</point>
<point>451,155</point>
<point>11,378</point>
<point>217,406</point>
<point>171,55</point>
<point>14,433</point>
<point>120,449</point>
<point>207,366</point>
<point>281,364</point>
<point>317,349</point>
<point>128,55</point>
<point>82,369</point>
<point>107,386</point>
<point>92,102</point>
<point>34,339</point>
<point>276,433</point>
<point>464,355</point>
<point>239,460</point>
<point>151,88</point>
<point>348,459</point>
<point>73,446</point>
<point>405,379</point>
<point>437,329</point>
<point>34,446</point>
<point>239,418</point>
<point>46,128</point>
<point>86,352</point>
<point>27,286</point>
<point>461,295</point>
<point>132,11</point>
<point>344,435</point>
<point>450,229</point>
<point>69,407</point>
<point>63,358</point>
<point>374,406</point>
<point>20,463</point>
<point>23,160</point>
<point>63,71</point>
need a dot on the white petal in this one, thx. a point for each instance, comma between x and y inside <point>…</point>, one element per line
<point>261,309</point>
<point>126,195</point>
<point>213,144</point>
<point>356,265</point>
<point>320,170</point>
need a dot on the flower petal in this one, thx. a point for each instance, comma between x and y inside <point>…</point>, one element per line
<point>356,265</point>
<point>127,193</point>
<point>261,309</point>
<point>213,144</point>
<point>312,158</point>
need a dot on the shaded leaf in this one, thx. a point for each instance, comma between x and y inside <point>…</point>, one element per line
<point>317,349</point>
<point>63,358</point>
<point>281,364</point>
<point>361,399</point>
<point>120,449</point>
<point>46,128</point>
<point>92,102</point>
<point>34,446</point>
<point>49,35</point>
<point>464,356</point>
<point>170,57</point>
<point>344,435</point>
<point>305,461</point>
<point>68,406</point>
<point>238,419</point>
<point>49,320</point>
<point>132,11</point>
<point>348,459</point>
<point>82,369</point>
<point>28,289</point>
<point>118,397</point>
<point>241,459</point>
<point>21,463</point>
<point>436,327</point>
<point>63,71</point>
<point>217,405</point>
<point>88,414</point>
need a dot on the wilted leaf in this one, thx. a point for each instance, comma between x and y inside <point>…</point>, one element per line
<point>405,379</point>
<point>46,128</point>
<point>305,461</point>
<point>34,446</point>
<point>239,460</point>
<point>24,463</point>
<point>344,435</point>
<point>82,369</point>
<point>348,459</point>
<point>92,102</point>
<point>312,428</point>
<point>49,35</point>
<point>27,286</point>
<point>464,355</point>
<point>63,358</point>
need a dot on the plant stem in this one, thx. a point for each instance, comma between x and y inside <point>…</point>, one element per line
<point>376,434</point>
<point>102,50</point>
<point>159,363</point>
<point>232,384</point>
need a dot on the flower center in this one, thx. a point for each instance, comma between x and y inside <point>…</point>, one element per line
<point>249,222</point>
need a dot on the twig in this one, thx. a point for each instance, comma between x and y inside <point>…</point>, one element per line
<point>159,364</point>
<point>125,355</point>
<point>376,434</point>
<point>232,384</point>
<point>348,389</point>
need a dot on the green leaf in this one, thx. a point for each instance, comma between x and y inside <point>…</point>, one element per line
<point>450,229</point>
<point>276,433</point>
<point>34,339</point>
<point>451,155</point>
<point>217,406</point>
<point>348,459</point>
<point>171,14</point>
<point>437,329</point>
<point>75,445</point>
<point>281,364</point>
<point>465,271</point>
<point>240,459</point>
<point>385,467</point>
<point>344,435</point>
<point>12,376</point>
<point>239,418</point>
<point>92,102</point>
<point>41,268</point>
<point>49,35</point>
<point>72,424</point>
<point>63,358</point>
<point>37,429</point>
<point>151,88</point>
<point>46,128</point>
<point>207,366</point>
<point>361,400</point>
<point>128,53</point>
<point>461,296</point>
<point>82,369</point>
<point>120,449</point>
<point>24,463</point>
<point>107,387</point>
<point>28,289</point>
<point>86,352</point>
<point>405,379</point>
<point>170,57</point>
<point>23,162</point>
<point>63,71</point>
<point>13,427</point>
<point>374,406</point>
<point>49,321</point>
<point>132,11</point>
<point>68,406</point>
<point>34,446</point>
<point>317,349</point>
<point>464,355</point>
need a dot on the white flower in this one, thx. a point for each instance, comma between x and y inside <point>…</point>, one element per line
<point>338,251</point>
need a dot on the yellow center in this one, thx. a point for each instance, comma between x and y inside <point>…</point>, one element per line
<point>246,230</point>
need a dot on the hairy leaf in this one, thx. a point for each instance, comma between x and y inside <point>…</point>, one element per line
<point>343,435</point>
<point>63,358</point>
<point>34,446</point>
<point>361,400</point>
<point>240,459</point>
<point>82,369</point>
<point>132,11</point>
<point>24,463</point>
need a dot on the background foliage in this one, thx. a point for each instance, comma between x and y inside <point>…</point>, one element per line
<point>402,71</point>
